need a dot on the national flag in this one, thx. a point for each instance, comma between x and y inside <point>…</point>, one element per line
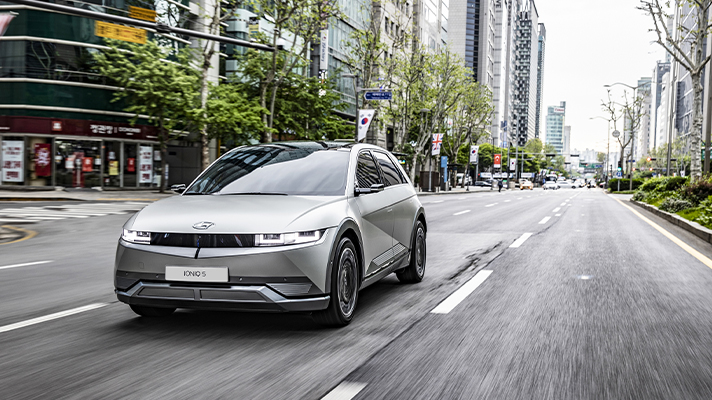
<point>437,143</point>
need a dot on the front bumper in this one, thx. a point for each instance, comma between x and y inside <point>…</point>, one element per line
<point>234,297</point>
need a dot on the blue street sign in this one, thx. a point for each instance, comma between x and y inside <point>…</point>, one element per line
<point>378,95</point>
<point>619,174</point>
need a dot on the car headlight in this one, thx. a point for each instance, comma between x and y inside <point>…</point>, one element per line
<point>136,237</point>
<point>281,239</point>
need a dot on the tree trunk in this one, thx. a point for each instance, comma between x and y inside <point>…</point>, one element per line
<point>205,141</point>
<point>695,134</point>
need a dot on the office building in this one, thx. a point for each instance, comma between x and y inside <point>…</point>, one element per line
<point>526,63</point>
<point>555,118</point>
<point>540,78</point>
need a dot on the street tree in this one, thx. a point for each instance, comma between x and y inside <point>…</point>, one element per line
<point>632,111</point>
<point>165,92</point>
<point>686,45</point>
<point>294,26</point>
<point>232,116</point>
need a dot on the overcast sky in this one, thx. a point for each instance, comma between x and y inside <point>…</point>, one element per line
<point>590,44</point>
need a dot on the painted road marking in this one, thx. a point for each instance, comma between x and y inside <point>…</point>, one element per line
<point>543,221</point>
<point>460,294</point>
<point>507,201</point>
<point>520,241</point>
<point>519,198</point>
<point>51,317</point>
<point>490,205</point>
<point>568,205</point>
<point>25,264</point>
<point>563,204</point>
<point>461,212</point>
<point>345,391</point>
<point>685,246</point>
<point>439,201</point>
<point>558,215</point>
<point>557,209</point>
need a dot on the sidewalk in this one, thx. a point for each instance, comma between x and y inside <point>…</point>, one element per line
<point>459,190</point>
<point>84,195</point>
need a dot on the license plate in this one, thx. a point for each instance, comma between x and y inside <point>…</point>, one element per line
<point>197,274</point>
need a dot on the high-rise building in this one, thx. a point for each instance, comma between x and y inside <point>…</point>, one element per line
<point>540,78</point>
<point>661,68</point>
<point>555,127</point>
<point>645,135</point>
<point>526,64</point>
<point>567,142</point>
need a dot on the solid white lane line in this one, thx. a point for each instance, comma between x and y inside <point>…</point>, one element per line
<point>490,205</point>
<point>521,240</point>
<point>461,212</point>
<point>557,209</point>
<point>558,215</point>
<point>51,317</point>
<point>25,264</point>
<point>543,221</point>
<point>460,294</point>
<point>345,391</point>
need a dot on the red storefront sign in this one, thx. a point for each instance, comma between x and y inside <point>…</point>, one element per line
<point>43,165</point>
<point>87,164</point>
<point>131,165</point>
<point>77,127</point>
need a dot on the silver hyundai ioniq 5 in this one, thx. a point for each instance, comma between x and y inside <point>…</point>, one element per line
<point>296,226</point>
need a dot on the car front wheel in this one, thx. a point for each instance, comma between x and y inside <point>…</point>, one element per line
<point>415,271</point>
<point>344,287</point>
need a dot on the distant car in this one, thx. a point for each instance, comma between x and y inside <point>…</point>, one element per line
<point>460,176</point>
<point>487,183</point>
<point>525,184</point>
<point>550,185</point>
<point>566,185</point>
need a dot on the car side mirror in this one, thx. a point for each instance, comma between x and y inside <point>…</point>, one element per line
<point>180,188</point>
<point>375,188</point>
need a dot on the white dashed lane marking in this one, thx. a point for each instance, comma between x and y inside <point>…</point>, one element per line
<point>25,264</point>
<point>461,294</point>
<point>51,317</point>
<point>521,240</point>
<point>461,212</point>
<point>557,209</point>
<point>490,205</point>
<point>543,221</point>
<point>345,391</point>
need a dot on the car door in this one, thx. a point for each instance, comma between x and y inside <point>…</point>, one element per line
<point>376,216</point>
<point>402,199</point>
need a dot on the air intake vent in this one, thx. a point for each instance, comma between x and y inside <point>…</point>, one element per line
<point>291,289</point>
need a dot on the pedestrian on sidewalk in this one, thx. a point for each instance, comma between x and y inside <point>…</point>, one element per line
<point>500,184</point>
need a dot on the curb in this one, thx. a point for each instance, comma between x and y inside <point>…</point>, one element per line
<point>690,226</point>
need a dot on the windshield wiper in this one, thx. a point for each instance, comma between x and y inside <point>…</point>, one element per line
<point>255,193</point>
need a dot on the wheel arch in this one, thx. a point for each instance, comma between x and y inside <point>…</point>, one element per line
<point>348,229</point>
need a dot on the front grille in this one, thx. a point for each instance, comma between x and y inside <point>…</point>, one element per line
<point>201,240</point>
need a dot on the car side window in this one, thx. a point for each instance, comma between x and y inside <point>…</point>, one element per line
<point>366,171</point>
<point>390,171</point>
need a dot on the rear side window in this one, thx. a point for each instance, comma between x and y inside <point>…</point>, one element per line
<point>390,170</point>
<point>366,171</point>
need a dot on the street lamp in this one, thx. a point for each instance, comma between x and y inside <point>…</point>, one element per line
<point>608,145</point>
<point>424,111</point>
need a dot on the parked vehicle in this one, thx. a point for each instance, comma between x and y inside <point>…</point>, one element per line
<point>297,226</point>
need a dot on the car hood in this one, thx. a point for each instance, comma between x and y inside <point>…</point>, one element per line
<point>240,214</point>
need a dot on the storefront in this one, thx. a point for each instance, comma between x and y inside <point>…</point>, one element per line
<point>70,153</point>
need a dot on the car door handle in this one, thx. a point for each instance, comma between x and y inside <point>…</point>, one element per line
<point>389,210</point>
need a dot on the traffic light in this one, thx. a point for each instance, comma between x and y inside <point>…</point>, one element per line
<point>651,168</point>
<point>620,166</point>
<point>649,159</point>
<point>633,169</point>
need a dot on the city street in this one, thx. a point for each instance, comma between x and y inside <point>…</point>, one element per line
<point>565,294</point>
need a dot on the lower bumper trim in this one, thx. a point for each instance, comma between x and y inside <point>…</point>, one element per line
<point>239,298</point>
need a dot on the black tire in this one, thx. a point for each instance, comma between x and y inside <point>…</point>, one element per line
<point>415,271</point>
<point>145,311</point>
<point>344,287</point>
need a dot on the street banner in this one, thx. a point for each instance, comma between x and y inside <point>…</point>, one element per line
<point>130,165</point>
<point>512,165</point>
<point>324,50</point>
<point>474,154</point>
<point>5,19</point>
<point>443,165</point>
<point>145,164</point>
<point>12,161</point>
<point>364,121</point>
<point>43,167</point>
<point>498,161</point>
<point>437,143</point>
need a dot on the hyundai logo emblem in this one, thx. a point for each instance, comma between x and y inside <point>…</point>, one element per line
<point>203,225</point>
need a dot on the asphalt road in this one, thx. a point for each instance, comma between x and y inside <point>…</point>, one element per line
<point>593,303</point>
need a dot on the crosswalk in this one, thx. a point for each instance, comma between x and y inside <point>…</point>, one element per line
<point>66,211</point>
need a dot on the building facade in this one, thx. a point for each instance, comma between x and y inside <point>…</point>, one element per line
<point>541,49</point>
<point>526,64</point>
<point>58,124</point>
<point>555,119</point>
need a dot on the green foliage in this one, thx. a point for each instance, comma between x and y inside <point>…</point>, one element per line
<point>698,190</point>
<point>673,205</point>
<point>675,182</point>
<point>639,195</point>
<point>231,116</point>
<point>705,213</point>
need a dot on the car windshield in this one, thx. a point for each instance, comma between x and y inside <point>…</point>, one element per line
<point>305,170</point>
